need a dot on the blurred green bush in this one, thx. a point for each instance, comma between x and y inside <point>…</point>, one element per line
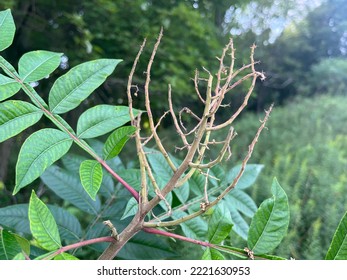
<point>305,147</point>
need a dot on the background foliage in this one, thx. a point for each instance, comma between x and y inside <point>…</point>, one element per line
<point>305,147</point>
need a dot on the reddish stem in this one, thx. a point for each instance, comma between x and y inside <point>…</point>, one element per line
<point>177,236</point>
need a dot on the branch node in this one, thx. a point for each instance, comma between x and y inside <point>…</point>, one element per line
<point>112,228</point>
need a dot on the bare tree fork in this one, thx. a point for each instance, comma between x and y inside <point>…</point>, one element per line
<point>196,142</point>
<point>227,189</point>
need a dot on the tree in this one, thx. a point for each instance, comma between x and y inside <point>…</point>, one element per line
<point>291,60</point>
<point>159,189</point>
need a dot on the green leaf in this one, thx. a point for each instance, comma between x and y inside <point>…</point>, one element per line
<point>7,67</point>
<point>142,246</point>
<point>68,187</point>
<point>195,228</point>
<point>270,223</point>
<point>76,85</point>
<point>236,252</point>
<point>102,119</point>
<point>38,152</point>
<point>146,247</point>
<point>131,208</point>
<point>241,254</point>
<point>107,186</point>
<point>68,225</point>
<point>8,87</point>
<point>219,225</point>
<point>7,29</point>
<point>15,116</point>
<point>36,65</point>
<point>163,173</point>
<point>42,224</point>
<point>116,141</point>
<point>133,177</point>
<point>338,246</point>
<point>240,226</point>
<point>11,245</point>
<point>91,177</point>
<point>72,162</point>
<point>212,254</point>
<point>23,243</point>
<point>19,257</point>
<point>65,257</point>
<point>242,202</point>
<point>35,98</point>
<point>248,177</point>
<point>15,217</point>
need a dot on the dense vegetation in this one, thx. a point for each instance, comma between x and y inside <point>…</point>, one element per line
<point>306,144</point>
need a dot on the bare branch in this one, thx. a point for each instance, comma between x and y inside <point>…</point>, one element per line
<point>148,105</point>
<point>174,118</point>
<point>221,154</point>
<point>227,189</point>
<point>196,82</point>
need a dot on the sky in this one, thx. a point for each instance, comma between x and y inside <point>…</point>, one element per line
<point>257,18</point>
